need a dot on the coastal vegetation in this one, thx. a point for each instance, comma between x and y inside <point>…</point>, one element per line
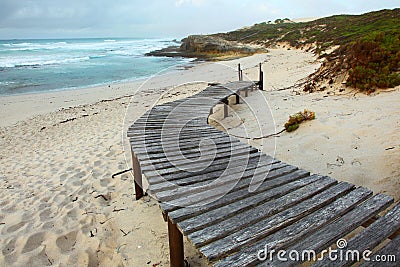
<point>366,48</point>
<point>324,32</point>
<point>374,61</point>
<point>297,118</point>
<point>361,51</point>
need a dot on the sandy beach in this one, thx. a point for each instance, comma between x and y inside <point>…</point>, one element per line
<point>60,204</point>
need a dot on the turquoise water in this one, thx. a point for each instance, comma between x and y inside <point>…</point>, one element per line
<point>28,66</point>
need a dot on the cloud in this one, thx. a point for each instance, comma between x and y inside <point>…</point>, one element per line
<point>192,2</point>
<point>158,18</point>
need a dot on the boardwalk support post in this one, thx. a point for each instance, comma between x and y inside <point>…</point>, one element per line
<point>225,101</point>
<point>176,253</point>
<point>261,79</point>
<point>137,177</point>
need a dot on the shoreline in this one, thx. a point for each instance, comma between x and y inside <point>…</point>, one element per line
<point>59,203</point>
<point>20,107</point>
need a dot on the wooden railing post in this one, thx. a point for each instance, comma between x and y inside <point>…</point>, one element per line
<point>175,239</point>
<point>137,177</point>
<point>261,79</point>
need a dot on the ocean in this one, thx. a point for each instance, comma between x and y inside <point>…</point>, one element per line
<point>28,66</point>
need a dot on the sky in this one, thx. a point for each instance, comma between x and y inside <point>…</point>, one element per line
<point>25,19</point>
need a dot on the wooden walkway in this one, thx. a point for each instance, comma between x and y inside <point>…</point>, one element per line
<point>201,178</point>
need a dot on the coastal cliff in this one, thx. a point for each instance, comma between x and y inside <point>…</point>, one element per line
<point>209,47</point>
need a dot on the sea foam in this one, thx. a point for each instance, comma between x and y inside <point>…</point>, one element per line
<point>43,65</point>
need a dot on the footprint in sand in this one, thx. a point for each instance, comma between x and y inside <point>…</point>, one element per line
<point>66,242</point>
<point>45,215</point>
<point>9,248</point>
<point>47,225</point>
<point>106,182</point>
<point>41,259</point>
<point>33,242</point>
<point>15,227</point>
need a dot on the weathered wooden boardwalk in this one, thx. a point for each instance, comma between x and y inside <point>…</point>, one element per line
<point>201,178</point>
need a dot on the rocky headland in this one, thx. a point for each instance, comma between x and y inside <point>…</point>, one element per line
<point>209,47</point>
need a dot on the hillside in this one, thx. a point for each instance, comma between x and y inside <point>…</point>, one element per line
<point>334,30</point>
<point>366,48</point>
<point>362,51</point>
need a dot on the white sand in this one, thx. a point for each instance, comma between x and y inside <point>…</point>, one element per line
<point>59,204</point>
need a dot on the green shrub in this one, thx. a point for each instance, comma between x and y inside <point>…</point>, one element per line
<point>374,61</point>
<point>295,120</point>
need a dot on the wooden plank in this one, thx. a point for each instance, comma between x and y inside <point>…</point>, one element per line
<point>209,158</point>
<point>214,95</point>
<point>160,136</point>
<point>170,118</point>
<point>168,141</point>
<point>199,153</point>
<point>140,134</point>
<point>205,177</point>
<point>215,171</point>
<point>183,134</point>
<point>253,166</point>
<point>194,153</point>
<point>184,196</point>
<point>329,234</point>
<point>292,233</point>
<point>218,223</point>
<point>174,144</point>
<point>178,215</point>
<point>159,127</point>
<point>221,144</point>
<point>369,238</point>
<point>254,160</point>
<point>160,149</point>
<point>141,128</point>
<point>391,253</point>
<point>163,119</point>
<point>200,178</point>
<point>168,121</point>
<point>214,191</point>
<point>169,125</point>
<point>173,118</point>
<point>216,164</point>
